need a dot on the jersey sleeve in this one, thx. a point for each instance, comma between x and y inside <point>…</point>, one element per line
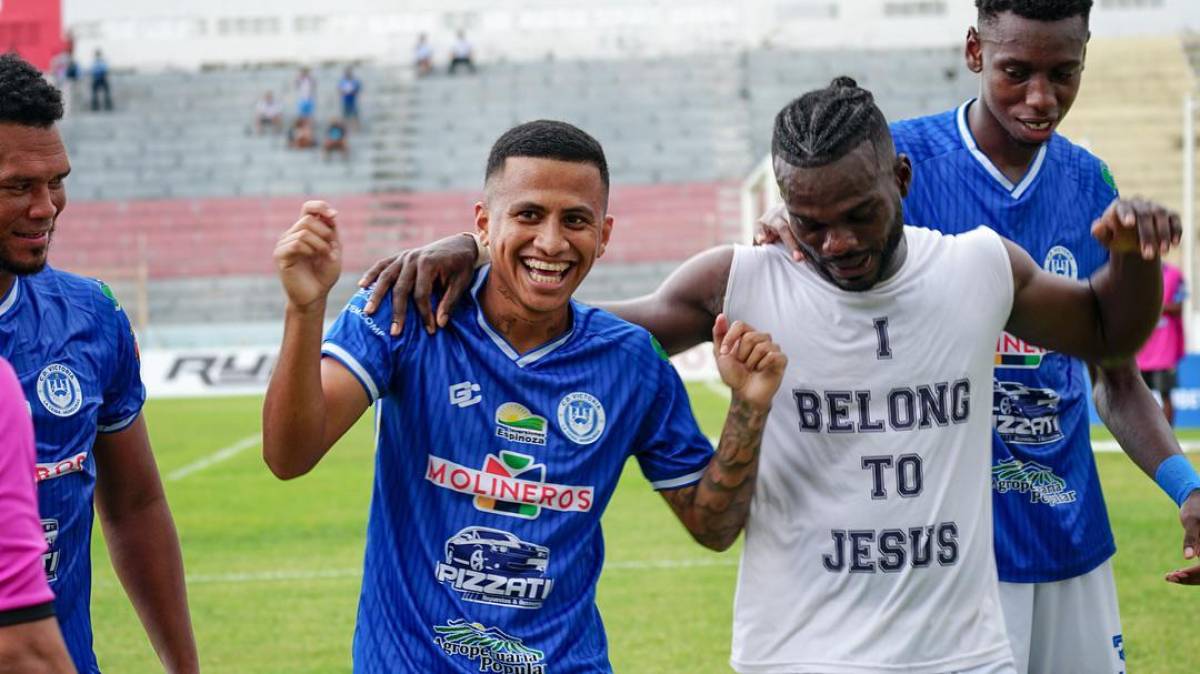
<point>24,594</point>
<point>672,451</point>
<point>125,394</point>
<point>363,343</point>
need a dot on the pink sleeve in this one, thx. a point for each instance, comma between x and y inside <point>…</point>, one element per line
<point>22,543</point>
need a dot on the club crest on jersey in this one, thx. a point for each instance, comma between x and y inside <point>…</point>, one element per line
<point>493,649</point>
<point>1014,352</point>
<point>1031,477</point>
<point>515,422</point>
<point>511,484</point>
<point>58,389</point>
<point>1025,415</point>
<point>1061,262</point>
<point>490,566</point>
<point>581,417</point>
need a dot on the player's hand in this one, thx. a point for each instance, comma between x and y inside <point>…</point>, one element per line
<point>450,262</point>
<point>309,255</point>
<point>751,365</point>
<point>1189,517</point>
<point>773,228</point>
<point>1138,226</point>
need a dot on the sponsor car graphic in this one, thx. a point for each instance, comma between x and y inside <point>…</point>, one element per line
<point>490,566</point>
<point>1024,414</point>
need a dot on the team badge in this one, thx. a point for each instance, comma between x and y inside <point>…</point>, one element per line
<point>58,389</point>
<point>581,417</point>
<point>1061,262</point>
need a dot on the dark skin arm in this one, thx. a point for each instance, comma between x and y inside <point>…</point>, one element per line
<point>680,313</point>
<point>34,648</point>
<point>1132,415</point>
<point>143,544</point>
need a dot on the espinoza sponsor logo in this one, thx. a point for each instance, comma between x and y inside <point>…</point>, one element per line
<point>490,566</point>
<point>1030,477</point>
<point>49,471</point>
<point>510,484</point>
<point>515,422</point>
<point>491,647</point>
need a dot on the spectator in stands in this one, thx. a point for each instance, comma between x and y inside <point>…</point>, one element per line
<point>300,134</point>
<point>306,94</point>
<point>349,87</point>
<point>335,140</point>
<point>423,56</point>
<point>461,54</point>
<point>268,113</point>
<point>100,82</point>
<point>1161,355</point>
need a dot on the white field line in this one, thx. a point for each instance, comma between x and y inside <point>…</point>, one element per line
<point>1112,446</point>
<point>223,454</point>
<point>275,576</point>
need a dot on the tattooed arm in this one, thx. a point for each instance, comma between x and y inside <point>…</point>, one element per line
<point>714,510</point>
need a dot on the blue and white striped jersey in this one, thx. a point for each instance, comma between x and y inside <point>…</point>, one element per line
<point>76,356</point>
<point>1051,521</point>
<point>492,471</point>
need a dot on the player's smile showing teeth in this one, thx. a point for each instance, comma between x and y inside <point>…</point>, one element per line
<point>1036,126</point>
<point>541,271</point>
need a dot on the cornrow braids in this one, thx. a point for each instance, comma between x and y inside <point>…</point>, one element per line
<point>26,98</point>
<point>1037,10</point>
<point>824,125</point>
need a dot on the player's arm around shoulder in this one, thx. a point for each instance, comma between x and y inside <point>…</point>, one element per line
<point>1108,316</point>
<point>680,312</point>
<point>714,510</point>
<point>311,401</point>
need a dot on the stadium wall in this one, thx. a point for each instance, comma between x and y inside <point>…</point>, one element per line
<point>151,34</point>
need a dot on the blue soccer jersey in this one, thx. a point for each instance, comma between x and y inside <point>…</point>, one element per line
<point>75,354</point>
<point>1050,517</point>
<point>492,470</point>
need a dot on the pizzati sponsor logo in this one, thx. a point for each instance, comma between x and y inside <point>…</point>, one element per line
<point>510,484</point>
<point>491,566</point>
<point>581,417</point>
<point>515,422</point>
<point>49,471</point>
<point>58,389</point>
<point>1012,351</point>
<point>1030,477</point>
<point>493,649</point>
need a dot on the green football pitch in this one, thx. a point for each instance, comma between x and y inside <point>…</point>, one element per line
<point>273,567</point>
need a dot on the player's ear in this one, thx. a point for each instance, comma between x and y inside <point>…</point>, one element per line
<point>605,233</point>
<point>902,169</point>
<point>481,221</point>
<point>973,52</point>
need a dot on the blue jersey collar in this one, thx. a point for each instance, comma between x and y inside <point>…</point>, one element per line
<point>501,343</point>
<point>1015,191</point>
<point>11,298</point>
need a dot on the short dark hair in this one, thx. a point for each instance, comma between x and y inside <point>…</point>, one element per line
<point>824,125</point>
<point>1038,10</point>
<point>547,139</point>
<point>26,98</point>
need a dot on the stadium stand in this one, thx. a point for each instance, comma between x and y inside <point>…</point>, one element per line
<point>175,200</point>
<point>1128,112</point>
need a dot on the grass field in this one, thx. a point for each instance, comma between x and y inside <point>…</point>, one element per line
<point>274,567</point>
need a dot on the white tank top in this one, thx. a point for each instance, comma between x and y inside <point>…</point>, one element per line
<point>869,542</point>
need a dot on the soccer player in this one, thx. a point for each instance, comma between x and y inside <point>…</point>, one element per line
<point>502,438</point>
<point>997,160</point>
<point>870,545</point>
<point>30,640</point>
<point>74,352</point>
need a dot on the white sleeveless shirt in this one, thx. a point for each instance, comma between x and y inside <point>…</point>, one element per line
<point>869,542</point>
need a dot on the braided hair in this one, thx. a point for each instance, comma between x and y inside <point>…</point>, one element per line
<point>26,98</point>
<point>1038,10</point>
<point>824,125</point>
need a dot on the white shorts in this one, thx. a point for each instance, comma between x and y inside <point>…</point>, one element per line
<point>1066,627</point>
